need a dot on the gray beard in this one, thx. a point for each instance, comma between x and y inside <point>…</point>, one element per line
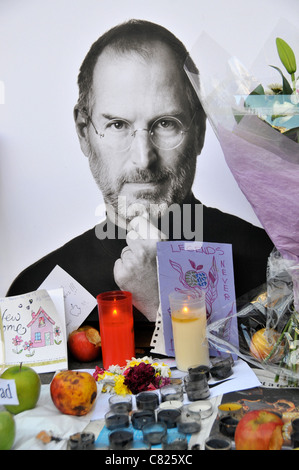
<point>179,183</point>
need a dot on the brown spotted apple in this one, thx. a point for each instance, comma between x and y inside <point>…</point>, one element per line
<point>85,343</point>
<point>73,392</point>
<point>259,430</point>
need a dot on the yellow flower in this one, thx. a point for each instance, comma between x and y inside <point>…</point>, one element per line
<point>135,362</point>
<point>105,375</point>
<point>108,381</point>
<point>119,387</point>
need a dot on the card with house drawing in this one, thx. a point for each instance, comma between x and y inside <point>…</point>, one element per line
<point>33,330</point>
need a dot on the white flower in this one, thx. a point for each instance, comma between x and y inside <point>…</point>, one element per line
<point>162,369</point>
<point>286,110</point>
<point>295,95</point>
<point>283,108</point>
<point>115,369</point>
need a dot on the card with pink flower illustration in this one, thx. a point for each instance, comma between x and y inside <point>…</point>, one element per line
<point>192,268</point>
<point>33,330</point>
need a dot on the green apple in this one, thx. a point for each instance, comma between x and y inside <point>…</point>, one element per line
<point>28,386</point>
<point>7,430</point>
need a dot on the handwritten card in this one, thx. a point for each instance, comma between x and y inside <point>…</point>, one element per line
<point>33,331</point>
<point>78,301</point>
<point>191,267</point>
<point>8,392</point>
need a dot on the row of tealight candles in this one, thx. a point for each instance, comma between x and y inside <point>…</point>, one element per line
<point>163,419</point>
<point>160,418</point>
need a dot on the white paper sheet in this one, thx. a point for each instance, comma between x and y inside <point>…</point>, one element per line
<point>157,341</point>
<point>78,301</point>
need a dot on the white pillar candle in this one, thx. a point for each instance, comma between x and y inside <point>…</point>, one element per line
<point>188,317</point>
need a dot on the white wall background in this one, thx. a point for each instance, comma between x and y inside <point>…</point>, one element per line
<point>47,195</point>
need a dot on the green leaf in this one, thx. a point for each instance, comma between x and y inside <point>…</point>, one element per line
<point>286,87</point>
<point>259,90</point>
<point>286,55</point>
<point>293,134</point>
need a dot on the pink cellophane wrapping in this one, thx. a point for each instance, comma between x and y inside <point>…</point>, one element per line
<point>263,161</point>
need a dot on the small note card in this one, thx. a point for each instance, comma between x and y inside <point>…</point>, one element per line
<point>78,302</point>
<point>33,331</point>
<point>8,392</point>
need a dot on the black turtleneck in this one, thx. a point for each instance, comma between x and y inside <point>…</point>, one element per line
<point>90,260</point>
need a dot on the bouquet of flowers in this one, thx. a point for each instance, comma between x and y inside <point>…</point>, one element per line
<point>137,376</point>
<point>258,129</point>
<point>279,104</point>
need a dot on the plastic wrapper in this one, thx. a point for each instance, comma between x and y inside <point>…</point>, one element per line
<point>263,160</point>
<point>259,135</point>
<point>268,324</point>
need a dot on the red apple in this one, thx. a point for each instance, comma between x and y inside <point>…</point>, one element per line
<point>85,343</point>
<point>259,430</point>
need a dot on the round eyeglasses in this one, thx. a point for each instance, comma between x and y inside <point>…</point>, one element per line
<point>166,133</point>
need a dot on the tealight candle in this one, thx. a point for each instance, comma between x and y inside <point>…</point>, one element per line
<point>235,410</point>
<point>171,405</point>
<point>116,327</point>
<point>196,389</point>
<point>218,443</point>
<point>189,422</point>
<point>154,432</point>
<point>175,441</point>
<point>196,372</point>
<point>138,444</point>
<point>222,369</point>
<point>169,417</point>
<point>115,420</point>
<point>119,439</point>
<point>81,441</point>
<point>176,381</point>
<point>120,403</point>
<point>188,425</point>
<point>227,426</point>
<point>141,418</point>
<point>203,407</point>
<point>147,400</point>
<point>172,392</point>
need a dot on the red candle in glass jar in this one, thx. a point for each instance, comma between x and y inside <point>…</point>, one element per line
<point>116,327</point>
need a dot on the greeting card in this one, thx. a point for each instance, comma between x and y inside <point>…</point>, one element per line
<point>33,331</point>
<point>192,267</point>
